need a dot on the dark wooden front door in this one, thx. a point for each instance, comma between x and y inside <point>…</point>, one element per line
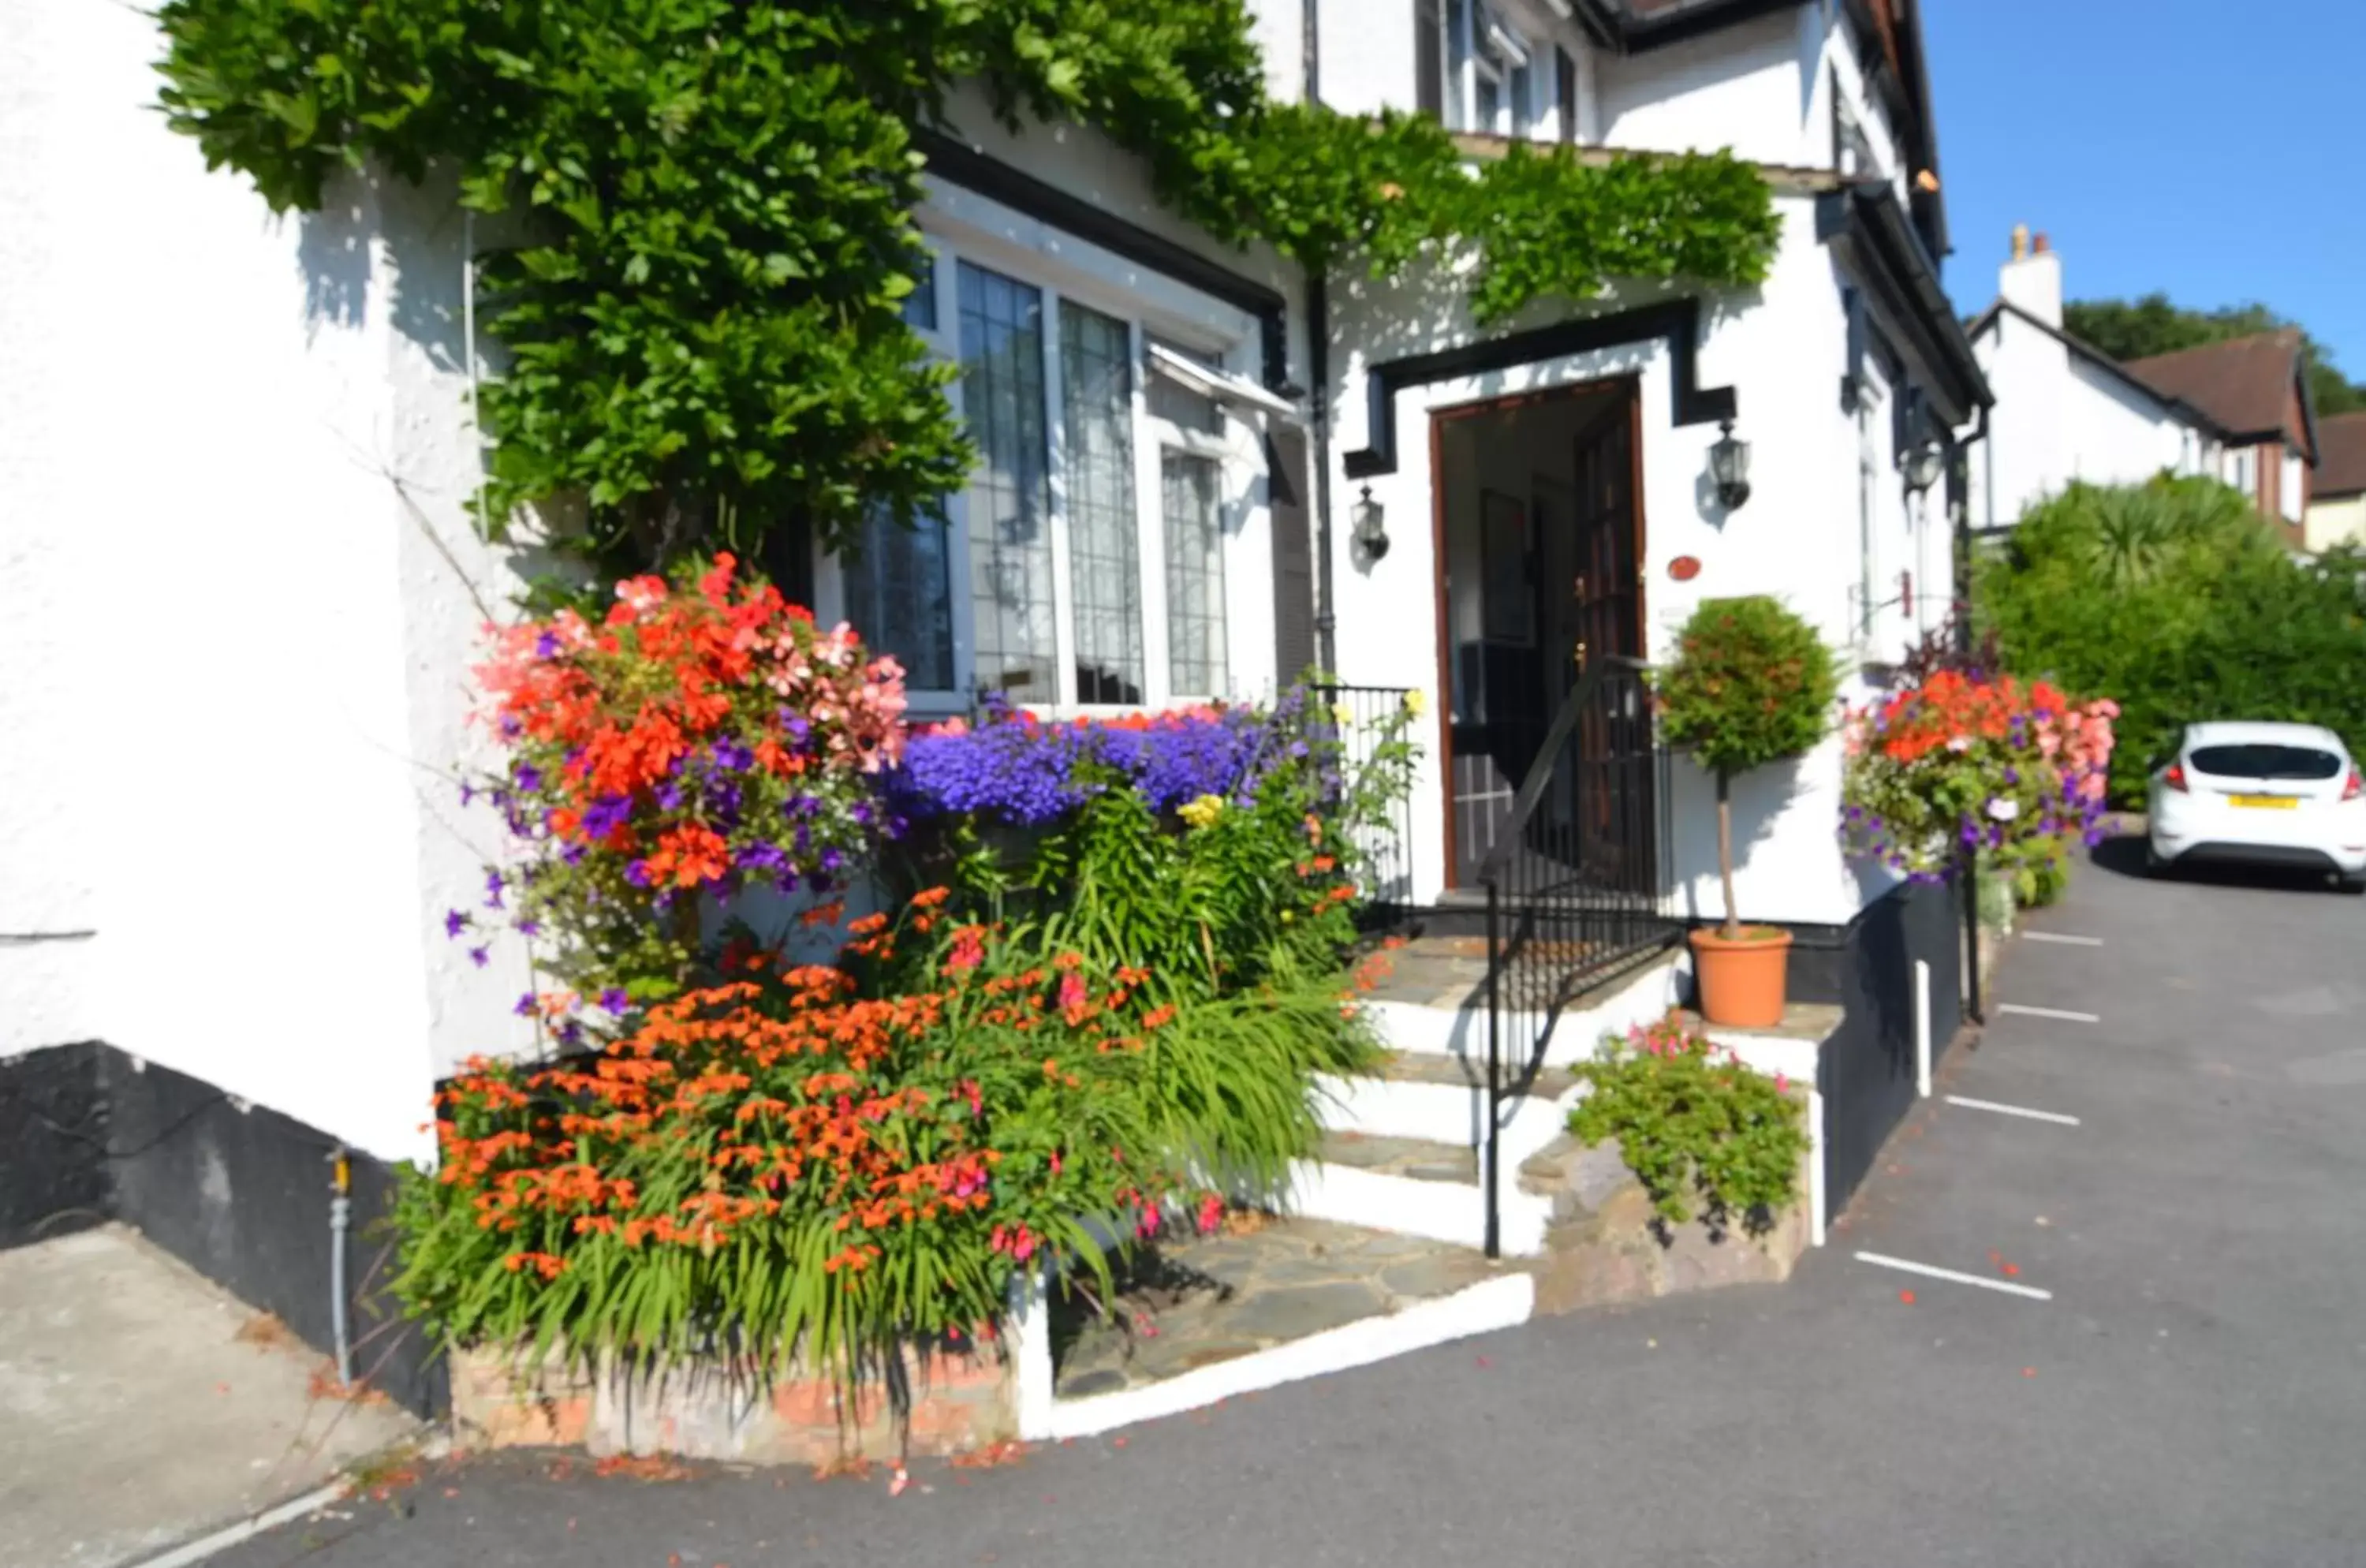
<point>1540,577</point>
<point>1613,733</point>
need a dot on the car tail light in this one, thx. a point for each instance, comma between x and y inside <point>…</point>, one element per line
<point>2175,777</point>
<point>2354,786</point>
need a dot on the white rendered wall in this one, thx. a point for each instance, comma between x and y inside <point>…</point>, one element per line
<point>1783,349</point>
<point>1368,53</point>
<point>2339,520</point>
<point>2059,418</point>
<point>243,651</point>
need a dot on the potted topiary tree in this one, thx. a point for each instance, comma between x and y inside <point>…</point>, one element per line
<point>1752,684</point>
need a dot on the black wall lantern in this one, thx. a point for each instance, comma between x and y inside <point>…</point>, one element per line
<point>1371,522</point>
<point>1922,466</point>
<point>1728,464</point>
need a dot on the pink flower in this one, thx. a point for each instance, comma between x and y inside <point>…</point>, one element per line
<point>1072,992</point>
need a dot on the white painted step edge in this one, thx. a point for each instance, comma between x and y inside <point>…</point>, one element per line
<point>1450,1212</point>
<point>1462,1031</point>
<point>1455,1114</point>
<point>1481,1308</point>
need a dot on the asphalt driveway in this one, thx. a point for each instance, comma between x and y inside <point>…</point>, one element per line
<point>2191,1389</point>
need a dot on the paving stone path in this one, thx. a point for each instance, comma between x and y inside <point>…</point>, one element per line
<point>1202,1300</point>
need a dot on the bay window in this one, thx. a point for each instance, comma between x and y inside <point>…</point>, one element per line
<point>1083,563</point>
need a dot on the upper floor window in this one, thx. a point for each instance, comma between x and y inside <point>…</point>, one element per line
<point>1478,71</point>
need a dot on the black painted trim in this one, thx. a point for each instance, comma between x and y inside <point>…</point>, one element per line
<point>1876,244</point>
<point>239,1193</point>
<point>972,169</point>
<point>1677,321</point>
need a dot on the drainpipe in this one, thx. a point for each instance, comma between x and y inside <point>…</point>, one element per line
<point>341,1214</point>
<point>1318,374</point>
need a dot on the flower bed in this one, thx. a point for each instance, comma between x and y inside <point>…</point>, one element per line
<point>1100,1000</point>
<point>2012,771</point>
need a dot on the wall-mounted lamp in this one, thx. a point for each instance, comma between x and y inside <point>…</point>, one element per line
<point>1922,467</point>
<point>1371,522</point>
<point>1728,464</point>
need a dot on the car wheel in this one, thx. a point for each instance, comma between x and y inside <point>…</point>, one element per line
<point>2354,886</point>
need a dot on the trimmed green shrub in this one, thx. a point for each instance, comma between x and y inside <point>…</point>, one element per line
<point>1751,685</point>
<point>2178,601</point>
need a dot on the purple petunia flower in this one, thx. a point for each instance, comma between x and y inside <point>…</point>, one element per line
<point>493,885</point>
<point>637,873</point>
<point>480,957</point>
<point>606,814</point>
<point>529,928</point>
<point>547,646</point>
<point>467,792</point>
<point>670,797</point>
<point>526,777</point>
<point>524,1008</point>
<point>614,1000</point>
<point>455,922</point>
<point>570,1033</point>
<point>732,757</point>
<point>572,854</point>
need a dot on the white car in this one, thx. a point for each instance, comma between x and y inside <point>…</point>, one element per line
<point>2279,795</point>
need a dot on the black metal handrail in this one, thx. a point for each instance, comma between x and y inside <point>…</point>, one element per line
<point>1582,884</point>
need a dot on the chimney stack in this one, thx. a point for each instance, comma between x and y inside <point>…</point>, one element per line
<point>2032,280</point>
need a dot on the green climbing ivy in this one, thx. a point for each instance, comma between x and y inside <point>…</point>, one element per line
<point>712,231</point>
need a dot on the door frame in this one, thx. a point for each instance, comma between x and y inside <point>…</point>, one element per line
<point>1630,385</point>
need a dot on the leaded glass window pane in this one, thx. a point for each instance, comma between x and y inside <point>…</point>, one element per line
<point>1191,493</point>
<point>899,597</point>
<point>1010,493</point>
<point>1104,570</point>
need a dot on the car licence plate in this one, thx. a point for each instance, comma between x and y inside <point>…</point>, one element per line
<point>2268,802</point>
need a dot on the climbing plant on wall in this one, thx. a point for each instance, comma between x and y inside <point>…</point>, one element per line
<point>700,294</point>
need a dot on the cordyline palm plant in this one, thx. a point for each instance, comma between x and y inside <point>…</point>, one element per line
<point>1751,685</point>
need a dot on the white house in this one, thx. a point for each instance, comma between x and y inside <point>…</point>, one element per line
<point>2065,411</point>
<point>237,463</point>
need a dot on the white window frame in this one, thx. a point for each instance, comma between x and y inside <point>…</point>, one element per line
<point>961,226</point>
<point>1482,43</point>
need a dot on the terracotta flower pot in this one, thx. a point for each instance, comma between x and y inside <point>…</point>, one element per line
<point>1741,979</point>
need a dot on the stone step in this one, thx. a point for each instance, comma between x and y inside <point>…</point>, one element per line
<point>1264,1301</point>
<point>1417,1187</point>
<point>1419,1018</point>
<point>1444,1100</point>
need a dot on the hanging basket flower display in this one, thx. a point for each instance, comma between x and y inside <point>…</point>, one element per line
<point>2011,770</point>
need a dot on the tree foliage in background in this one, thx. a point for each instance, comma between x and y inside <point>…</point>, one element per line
<point>2175,599</point>
<point>2139,328</point>
<point>712,202</point>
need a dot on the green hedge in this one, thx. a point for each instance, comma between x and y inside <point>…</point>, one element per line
<point>2178,601</point>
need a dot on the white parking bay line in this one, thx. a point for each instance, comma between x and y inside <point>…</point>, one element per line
<point>2065,1014</point>
<point>1928,1272</point>
<point>2003,1109</point>
<point>2065,939</point>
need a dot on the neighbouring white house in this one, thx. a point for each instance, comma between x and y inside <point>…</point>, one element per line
<point>237,465</point>
<point>2336,499</point>
<point>2066,411</point>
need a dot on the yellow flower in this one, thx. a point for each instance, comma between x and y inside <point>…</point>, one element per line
<point>1342,714</point>
<point>1416,702</point>
<point>1199,813</point>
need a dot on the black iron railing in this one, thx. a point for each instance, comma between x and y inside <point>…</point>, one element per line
<point>1363,718</point>
<point>1576,886</point>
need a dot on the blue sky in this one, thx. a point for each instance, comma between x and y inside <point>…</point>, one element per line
<point>2210,148</point>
